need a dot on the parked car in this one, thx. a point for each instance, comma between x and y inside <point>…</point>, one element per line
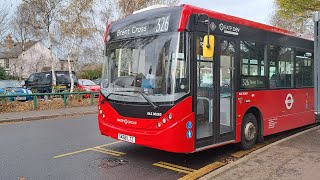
<point>13,87</point>
<point>88,86</point>
<point>97,81</point>
<point>42,82</point>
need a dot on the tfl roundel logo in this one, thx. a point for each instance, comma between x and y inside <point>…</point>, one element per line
<point>289,101</point>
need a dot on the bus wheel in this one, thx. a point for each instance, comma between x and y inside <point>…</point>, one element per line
<point>249,131</point>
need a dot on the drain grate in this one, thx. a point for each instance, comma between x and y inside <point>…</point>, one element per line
<point>108,163</point>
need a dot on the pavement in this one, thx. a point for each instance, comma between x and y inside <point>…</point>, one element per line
<point>46,114</point>
<point>295,157</point>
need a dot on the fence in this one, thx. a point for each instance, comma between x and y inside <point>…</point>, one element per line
<point>64,94</point>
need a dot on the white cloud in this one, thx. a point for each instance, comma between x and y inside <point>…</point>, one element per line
<point>255,10</point>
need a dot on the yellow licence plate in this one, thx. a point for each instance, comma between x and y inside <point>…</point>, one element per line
<point>62,87</point>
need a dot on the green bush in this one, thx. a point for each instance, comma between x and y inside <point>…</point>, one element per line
<point>3,74</point>
<point>90,74</point>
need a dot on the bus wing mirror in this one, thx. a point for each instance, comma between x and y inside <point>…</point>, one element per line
<point>208,46</point>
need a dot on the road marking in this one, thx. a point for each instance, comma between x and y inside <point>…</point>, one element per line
<point>68,154</point>
<point>108,151</point>
<point>203,171</point>
<point>109,144</point>
<point>105,152</point>
<point>174,167</point>
<point>83,150</point>
<point>113,151</point>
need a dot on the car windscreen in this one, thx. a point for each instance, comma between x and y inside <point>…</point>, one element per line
<point>86,82</point>
<point>10,84</point>
<point>63,77</point>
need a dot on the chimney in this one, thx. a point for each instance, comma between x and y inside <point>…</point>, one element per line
<point>9,43</point>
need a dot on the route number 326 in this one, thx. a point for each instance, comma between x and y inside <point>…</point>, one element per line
<point>163,24</point>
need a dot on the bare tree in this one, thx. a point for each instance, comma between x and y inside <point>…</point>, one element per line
<point>75,26</point>
<point>4,18</point>
<point>22,32</point>
<point>106,13</point>
<point>102,13</point>
<point>43,16</point>
<point>127,7</point>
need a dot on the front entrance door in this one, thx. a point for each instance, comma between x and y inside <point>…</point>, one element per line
<point>225,112</point>
<point>214,104</point>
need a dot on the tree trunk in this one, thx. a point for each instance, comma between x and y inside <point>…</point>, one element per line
<point>69,63</point>
<point>54,80</point>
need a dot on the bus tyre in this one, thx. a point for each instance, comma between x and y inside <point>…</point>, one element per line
<point>249,131</point>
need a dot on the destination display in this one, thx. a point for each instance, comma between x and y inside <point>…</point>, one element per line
<point>249,82</point>
<point>141,28</point>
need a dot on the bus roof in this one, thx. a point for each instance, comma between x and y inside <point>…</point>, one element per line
<point>179,22</point>
<point>188,10</point>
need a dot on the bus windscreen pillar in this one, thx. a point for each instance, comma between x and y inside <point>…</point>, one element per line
<point>317,63</point>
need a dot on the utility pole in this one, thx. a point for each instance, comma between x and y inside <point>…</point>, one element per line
<point>316,19</point>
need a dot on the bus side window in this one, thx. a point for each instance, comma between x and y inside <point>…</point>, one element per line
<point>252,58</point>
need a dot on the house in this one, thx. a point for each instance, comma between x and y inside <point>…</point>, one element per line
<point>35,58</point>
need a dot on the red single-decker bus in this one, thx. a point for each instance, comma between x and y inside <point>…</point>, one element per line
<point>184,79</point>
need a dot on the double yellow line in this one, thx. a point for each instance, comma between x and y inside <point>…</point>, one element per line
<point>174,167</point>
<point>108,151</point>
<point>190,173</point>
<point>96,148</point>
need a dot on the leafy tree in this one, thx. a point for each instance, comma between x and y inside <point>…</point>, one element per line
<point>301,8</point>
<point>295,15</point>
<point>294,24</point>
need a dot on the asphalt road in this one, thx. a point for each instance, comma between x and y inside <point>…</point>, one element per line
<point>72,148</point>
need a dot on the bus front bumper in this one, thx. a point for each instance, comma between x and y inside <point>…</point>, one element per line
<point>174,138</point>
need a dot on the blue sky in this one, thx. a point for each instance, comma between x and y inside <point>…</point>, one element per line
<point>255,10</point>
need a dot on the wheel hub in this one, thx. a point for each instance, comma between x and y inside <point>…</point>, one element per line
<point>249,131</point>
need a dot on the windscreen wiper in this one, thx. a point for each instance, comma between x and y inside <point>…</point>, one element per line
<point>144,96</point>
<point>105,98</point>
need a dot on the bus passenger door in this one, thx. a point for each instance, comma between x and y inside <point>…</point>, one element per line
<point>204,95</point>
<point>214,97</point>
<point>226,49</point>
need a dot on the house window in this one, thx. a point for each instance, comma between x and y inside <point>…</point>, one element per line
<point>6,63</point>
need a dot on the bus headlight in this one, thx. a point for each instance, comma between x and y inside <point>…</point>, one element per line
<point>100,111</point>
<point>158,124</point>
<point>170,116</point>
<point>164,120</point>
